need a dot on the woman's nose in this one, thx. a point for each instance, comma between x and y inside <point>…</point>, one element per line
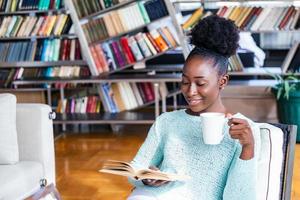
<point>192,89</point>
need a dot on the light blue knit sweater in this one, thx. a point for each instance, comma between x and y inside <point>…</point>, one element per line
<point>174,144</point>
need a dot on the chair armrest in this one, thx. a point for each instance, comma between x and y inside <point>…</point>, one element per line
<point>35,137</point>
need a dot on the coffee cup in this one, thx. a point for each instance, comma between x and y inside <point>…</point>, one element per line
<point>212,127</point>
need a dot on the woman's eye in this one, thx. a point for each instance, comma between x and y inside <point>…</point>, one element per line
<point>200,84</point>
<point>184,83</point>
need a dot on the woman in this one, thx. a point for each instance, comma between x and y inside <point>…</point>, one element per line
<point>174,143</point>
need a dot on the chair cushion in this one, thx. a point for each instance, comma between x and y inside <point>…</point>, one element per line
<point>20,180</point>
<point>9,153</point>
<point>270,161</point>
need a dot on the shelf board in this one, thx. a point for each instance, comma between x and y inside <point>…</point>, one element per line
<point>114,78</point>
<point>126,32</point>
<point>31,64</point>
<point>126,117</point>
<point>101,12</point>
<point>25,12</point>
<point>22,89</point>
<point>39,37</point>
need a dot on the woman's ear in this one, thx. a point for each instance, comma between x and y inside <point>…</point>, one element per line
<point>223,81</point>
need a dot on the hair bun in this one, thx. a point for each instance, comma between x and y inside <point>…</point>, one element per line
<point>216,34</point>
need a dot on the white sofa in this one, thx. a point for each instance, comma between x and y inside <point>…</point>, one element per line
<point>25,176</point>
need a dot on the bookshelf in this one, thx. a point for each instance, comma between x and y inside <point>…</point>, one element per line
<point>28,27</point>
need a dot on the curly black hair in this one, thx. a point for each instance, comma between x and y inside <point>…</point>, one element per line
<point>216,38</point>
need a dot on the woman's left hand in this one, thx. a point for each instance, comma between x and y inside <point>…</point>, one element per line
<point>241,130</point>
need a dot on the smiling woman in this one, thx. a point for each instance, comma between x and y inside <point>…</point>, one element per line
<point>175,142</point>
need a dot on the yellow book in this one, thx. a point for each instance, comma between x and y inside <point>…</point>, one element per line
<point>237,14</point>
<point>193,19</point>
<point>62,24</point>
<point>58,22</point>
<point>232,15</point>
<point>247,12</point>
<point>50,26</point>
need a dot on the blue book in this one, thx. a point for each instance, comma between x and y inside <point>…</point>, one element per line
<point>44,51</point>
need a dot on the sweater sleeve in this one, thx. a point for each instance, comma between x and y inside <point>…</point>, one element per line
<point>242,174</point>
<point>150,153</point>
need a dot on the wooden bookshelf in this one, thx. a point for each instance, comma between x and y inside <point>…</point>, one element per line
<point>126,117</point>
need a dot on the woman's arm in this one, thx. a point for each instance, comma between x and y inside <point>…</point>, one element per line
<point>151,151</point>
<point>242,174</point>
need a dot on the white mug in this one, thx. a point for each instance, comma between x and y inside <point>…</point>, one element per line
<point>212,127</point>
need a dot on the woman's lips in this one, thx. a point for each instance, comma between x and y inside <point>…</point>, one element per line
<point>194,102</point>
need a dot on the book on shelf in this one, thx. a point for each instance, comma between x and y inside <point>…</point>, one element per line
<point>291,62</point>
<point>120,21</point>
<point>41,50</point>
<point>116,54</point>
<point>253,18</point>
<point>235,63</point>
<point>126,169</point>
<point>30,26</point>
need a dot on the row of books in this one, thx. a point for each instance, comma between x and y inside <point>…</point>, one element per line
<point>262,19</point>
<point>16,5</point>
<point>121,20</point>
<point>42,50</point>
<point>7,76</point>
<point>235,64</point>
<point>24,26</point>
<point>116,54</point>
<point>87,7</point>
<point>254,18</point>
<point>117,97</point>
<point>86,104</point>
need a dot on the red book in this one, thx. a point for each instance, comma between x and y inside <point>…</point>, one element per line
<point>96,59</point>
<point>153,42</point>
<point>68,50</point>
<point>223,11</point>
<point>286,18</point>
<point>101,58</point>
<point>77,50</point>
<point>127,50</point>
<point>147,90</point>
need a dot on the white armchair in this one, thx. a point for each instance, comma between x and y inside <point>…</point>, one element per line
<point>27,178</point>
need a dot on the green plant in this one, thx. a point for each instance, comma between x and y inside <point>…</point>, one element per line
<point>285,85</point>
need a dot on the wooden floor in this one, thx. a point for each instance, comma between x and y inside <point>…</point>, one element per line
<point>78,158</point>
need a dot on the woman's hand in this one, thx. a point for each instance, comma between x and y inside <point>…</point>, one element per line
<point>241,130</point>
<point>154,182</point>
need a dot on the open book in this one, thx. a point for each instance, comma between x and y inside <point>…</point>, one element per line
<point>125,169</point>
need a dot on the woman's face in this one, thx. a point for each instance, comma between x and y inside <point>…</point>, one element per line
<point>201,85</point>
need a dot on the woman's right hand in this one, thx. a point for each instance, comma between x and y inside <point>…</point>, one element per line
<point>154,182</point>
